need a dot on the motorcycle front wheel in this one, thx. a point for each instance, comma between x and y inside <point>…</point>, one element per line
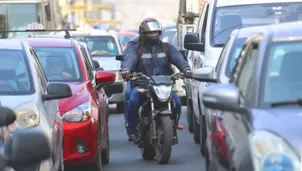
<point>163,147</point>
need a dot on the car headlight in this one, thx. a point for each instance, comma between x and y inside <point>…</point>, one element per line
<point>25,118</point>
<point>80,113</point>
<point>271,152</point>
<point>163,92</point>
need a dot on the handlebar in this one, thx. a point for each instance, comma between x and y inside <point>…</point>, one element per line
<point>139,75</point>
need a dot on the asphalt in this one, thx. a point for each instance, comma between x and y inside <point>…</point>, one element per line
<point>125,156</point>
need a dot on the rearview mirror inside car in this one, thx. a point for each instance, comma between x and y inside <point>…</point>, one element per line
<point>57,91</point>
<point>119,58</point>
<point>27,148</point>
<point>191,42</point>
<point>204,74</point>
<point>104,78</point>
<point>96,64</point>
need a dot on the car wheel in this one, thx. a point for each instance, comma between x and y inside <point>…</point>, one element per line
<point>105,152</point>
<point>120,107</point>
<point>97,164</point>
<point>189,115</point>
<point>196,130</point>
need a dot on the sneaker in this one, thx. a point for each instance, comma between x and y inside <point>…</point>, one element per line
<point>132,134</point>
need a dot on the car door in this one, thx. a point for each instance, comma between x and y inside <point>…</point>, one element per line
<point>197,60</point>
<point>236,138</point>
<point>49,111</point>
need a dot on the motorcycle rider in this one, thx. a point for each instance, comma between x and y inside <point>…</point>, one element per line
<point>152,62</point>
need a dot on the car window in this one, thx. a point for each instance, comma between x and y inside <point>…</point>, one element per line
<point>282,80</point>
<point>203,22</point>
<point>60,64</point>
<point>223,56</point>
<point>247,70</point>
<point>101,46</point>
<point>233,55</point>
<point>229,18</point>
<point>125,39</point>
<point>15,76</point>
<point>40,72</point>
<point>88,66</point>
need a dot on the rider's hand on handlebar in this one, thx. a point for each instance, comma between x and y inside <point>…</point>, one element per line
<point>188,73</point>
<point>125,73</point>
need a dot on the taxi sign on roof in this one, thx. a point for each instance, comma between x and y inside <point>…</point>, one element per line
<point>35,26</point>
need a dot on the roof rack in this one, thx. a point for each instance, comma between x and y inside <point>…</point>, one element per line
<point>5,32</point>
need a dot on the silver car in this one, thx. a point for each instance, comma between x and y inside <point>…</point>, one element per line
<point>24,88</point>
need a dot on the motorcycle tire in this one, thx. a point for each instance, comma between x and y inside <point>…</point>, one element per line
<point>148,153</point>
<point>163,147</point>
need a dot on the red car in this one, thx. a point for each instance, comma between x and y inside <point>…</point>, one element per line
<point>126,36</point>
<point>85,114</point>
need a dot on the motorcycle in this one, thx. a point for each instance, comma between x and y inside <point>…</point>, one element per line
<point>25,148</point>
<point>156,123</point>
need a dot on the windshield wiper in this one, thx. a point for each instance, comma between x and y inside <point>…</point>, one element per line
<point>219,45</point>
<point>284,103</point>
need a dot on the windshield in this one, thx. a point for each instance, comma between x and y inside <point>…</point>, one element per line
<point>59,64</point>
<point>282,80</point>
<point>233,55</point>
<point>10,17</point>
<point>125,39</point>
<point>15,78</point>
<point>168,34</point>
<point>230,18</point>
<point>99,45</point>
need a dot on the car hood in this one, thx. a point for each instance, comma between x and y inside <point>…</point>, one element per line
<point>284,121</point>
<point>80,95</point>
<point>15,101</point>
<point>108,63</point>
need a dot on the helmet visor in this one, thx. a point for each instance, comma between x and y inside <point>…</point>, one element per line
<point>151,26</point>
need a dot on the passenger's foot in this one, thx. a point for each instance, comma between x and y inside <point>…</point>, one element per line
<point>132,134</point>
<point>175,140</point>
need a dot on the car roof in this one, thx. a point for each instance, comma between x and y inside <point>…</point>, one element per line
<point>222,3</point>
<point>286,31</point>
<point>11,44</point>
<point>49,42</point>
<point>245,32</point>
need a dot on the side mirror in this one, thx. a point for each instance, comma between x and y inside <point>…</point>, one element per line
<point>184,54</point>
<point>7,117</point>
<point>27,148</point>
<point>104,78</point>
<point>119,58</point>
<point>204,74</point>
<point>191,42</point>
<point>96,64</point>
<point>57,91</point>
<point>223,97</point>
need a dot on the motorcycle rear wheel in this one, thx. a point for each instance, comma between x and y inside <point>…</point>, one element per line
<point>148,153</point>
<point>163,147</point>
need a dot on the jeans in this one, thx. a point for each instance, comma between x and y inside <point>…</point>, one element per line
<point>136,100</point>
<point>127,97</point>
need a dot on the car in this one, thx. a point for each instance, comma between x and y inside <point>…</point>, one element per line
<point>92,62</point>
<point>168,33</point>
<point>100,43</point>
<point>213,125</point>
<point>126,37</point>
<point>262,95</point>
<point>86,111</point>
<point>218,19</point>
<point>25,89</point>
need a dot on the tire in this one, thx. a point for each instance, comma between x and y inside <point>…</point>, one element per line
<point>166,127</point>
<point>148,153</point>
<point>202,135</point>
<point>120,107</point>
<point>105,152</point>
<point>97,164</point>
<point>189,115</point>
<point>196,130</point>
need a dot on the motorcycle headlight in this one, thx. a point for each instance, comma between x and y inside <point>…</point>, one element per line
<point>163,92</point>
<point>25,118</point>
<point>271,152</point>
<point>80,113</point>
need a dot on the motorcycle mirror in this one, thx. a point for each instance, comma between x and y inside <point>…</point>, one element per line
<point>7,116</point>
<point>27,147</point>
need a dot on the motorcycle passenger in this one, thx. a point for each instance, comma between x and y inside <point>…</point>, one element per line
<point>152,62</point>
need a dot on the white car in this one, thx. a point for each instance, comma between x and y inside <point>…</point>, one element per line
<point>218,19</point>
<point>25,89</point>
<point>103,46</point>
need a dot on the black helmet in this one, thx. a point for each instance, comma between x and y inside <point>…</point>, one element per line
<point>150,31</point>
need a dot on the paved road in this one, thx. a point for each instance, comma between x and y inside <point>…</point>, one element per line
<point>125,156</point>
